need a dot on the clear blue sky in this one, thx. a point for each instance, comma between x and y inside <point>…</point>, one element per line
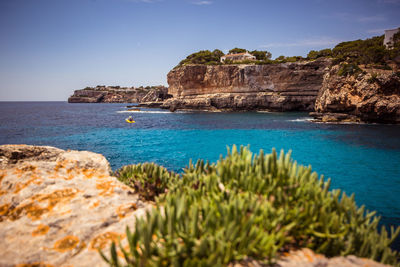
<point>49,48</point>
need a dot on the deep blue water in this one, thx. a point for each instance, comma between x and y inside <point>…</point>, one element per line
<point>361,159</point>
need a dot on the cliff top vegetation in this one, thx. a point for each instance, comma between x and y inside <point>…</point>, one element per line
<point>207,57</point>
<point>117,87</point>
<point>370,51</point>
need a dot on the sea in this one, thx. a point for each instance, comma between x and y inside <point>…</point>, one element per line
<point>363,159</point>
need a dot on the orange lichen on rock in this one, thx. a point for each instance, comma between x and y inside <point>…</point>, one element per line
<point>304,254</point>
<point>81,247</point>
<point>2,192</point>
<point>2,175</point>
<point>34,179</point>
<point>20,186</point>
<point>69,177</point>
<point>54,176</point>
<point>95,204</point>
<point>101,176</point>
<point>123,210</point>
<point>106,187</point>
<point>29,168</point>
<point>17,171</point>
<point>125,187</point>
<point>102,240</point>
<point>57,196</point>
<point>42,229</point>
<point>88,173</point>
<point>24,170</point>
<point>4,209</point>
<point>67,243</point>
<point>34,210</point>
<point>119,253</point>
<point>34,264</point>
<point>309,255</point>
<point>59,165</point>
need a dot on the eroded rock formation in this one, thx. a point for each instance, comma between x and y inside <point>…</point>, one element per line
<point>116,94</point>
<point>372,96</point>
<point>58,207</point>
<point>283,87</point>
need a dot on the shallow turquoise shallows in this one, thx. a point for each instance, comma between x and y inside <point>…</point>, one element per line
<point>361,159</point>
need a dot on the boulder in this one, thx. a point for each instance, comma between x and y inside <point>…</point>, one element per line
<point>59,207</point>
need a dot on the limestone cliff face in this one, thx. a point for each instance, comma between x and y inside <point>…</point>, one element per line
<point>373,96</point>
<point>285,86</point>
<point>105,94</point>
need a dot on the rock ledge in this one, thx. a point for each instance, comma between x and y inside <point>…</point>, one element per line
<point>58,207</point>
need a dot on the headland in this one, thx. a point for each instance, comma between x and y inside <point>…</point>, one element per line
<point>356,81</point>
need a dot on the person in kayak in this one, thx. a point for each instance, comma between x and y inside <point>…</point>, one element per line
<point>130,119</point>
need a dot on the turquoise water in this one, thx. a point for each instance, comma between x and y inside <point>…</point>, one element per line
<point>360,159</point>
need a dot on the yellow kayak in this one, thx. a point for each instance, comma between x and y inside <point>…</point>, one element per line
<point>130,121</point>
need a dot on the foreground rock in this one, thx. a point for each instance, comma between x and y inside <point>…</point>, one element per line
<point>116,94</point>
<point>307,258</point>
<point>282,87</point>
<point>372,96</point>
<point>58,207</point>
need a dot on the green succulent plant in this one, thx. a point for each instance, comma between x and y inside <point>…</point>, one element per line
<point>148,179</point>
<point>247,205</point>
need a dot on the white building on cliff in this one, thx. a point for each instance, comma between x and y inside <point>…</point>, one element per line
<point>389,34</point>
<point>238,57</point>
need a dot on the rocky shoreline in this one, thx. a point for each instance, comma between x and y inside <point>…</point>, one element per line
<point>57,208</point>
<point>117,94</point>
<point>372,95</point>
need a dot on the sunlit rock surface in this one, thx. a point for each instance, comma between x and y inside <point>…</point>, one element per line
<point>282,87</point>
<point>58,207</point>
<point>307,258</point>
<point>371,96</point>
<point>117,94</point>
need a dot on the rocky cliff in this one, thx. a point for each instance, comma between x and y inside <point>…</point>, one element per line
<point>370,96</point>
<point>283,87</point>
<point>116,94</point>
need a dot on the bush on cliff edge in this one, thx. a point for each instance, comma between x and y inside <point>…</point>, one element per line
<point>251,205</point>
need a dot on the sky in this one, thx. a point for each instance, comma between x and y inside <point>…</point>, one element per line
<point>49,48</point>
